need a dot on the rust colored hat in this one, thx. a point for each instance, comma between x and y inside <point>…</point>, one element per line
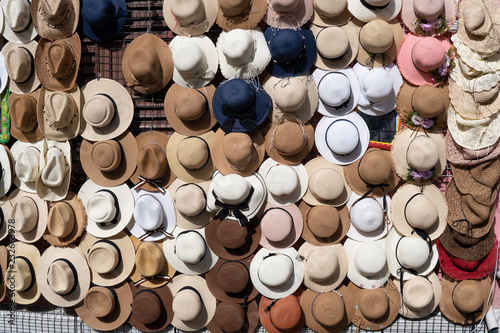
<point>459,155</point>
<point>55,19</point>
<point>283,315</point>
<point>467,248</point>
<point>240,14</point>
<point>110,162</point>
<point>289,142</point>
<point>235,317</point>
<point>324,224</point>
<point>23,122</point>
<point>151,308</point>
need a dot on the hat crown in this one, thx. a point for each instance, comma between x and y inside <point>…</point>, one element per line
<point>187,11</point>
<point>98,13</point>
<point>149,259</point>
<point>193,153</point>
<point>61,277</point>
<point>421,212</point>
<point>286,45</point>
<point>281,180</point>
<point>61,219</point>
<point>370,258</point>
<point>276,224</point>
<point>60,59</point>
<point>231,235</point>
<point>289,138</point>
<point>233,277</point>
<point>103,257</point>
<point>237,96</point>
<point>232,189</point>
<point>323,221</point>
<point>423,153</point>
<point>476,22</point>
<point>375,168</point>
<point>428,9</point>
<point>98,111</point>
<point>285,6</point>
<point>332,42</point>
<point>376,36</point>
<point>328,309</point>
<point>99,301</point>
<point>27,164</point>
<point>19,63</point>
<point>342,137</point>
<point>418,293</point>
<point>106,155</point>
<point>412,252</point>
<point>148,212</point>
<point>190,247</point>
<point>25,213</point>
<point>56,168</point>
<point>60,109</point>
<point>229,316</point>
<point>145,66</point>
<point>233,7</point>
<point>238,149</point>
<point>326,184</point>
<point>367,215</point>
<point>23,113</point>
<point>377,85</point>
<point>187,305</point>
<point>101,207</point>
<point>467,296</point>
<point>428,101</point>
<point>190,200</point>
<point>428,54</point>
<point>334,89</point>
<point>20,274</point>
<point>238,47</point>
<point>329,8</point>
<point>55,12</point>
<point>321,264</point>
<point>275,270</point>
<point>190,105</point>
<point>286,313</point>
<point>290,95</point>
<point>152,161</point>
<point>483,97</point>
<point>147,306</point>
<point>188,58</point>
<point>17,14</point>
<point>373,303</point>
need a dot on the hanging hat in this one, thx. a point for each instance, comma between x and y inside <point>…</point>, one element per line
<point>342,140</point>
<point>284,14</point>
<point>283,315</point>
<point>228,240</point>
<point>473,63</point>
<point>324,224</point>
<point>480,180</point>
<point>240,106</point>
<point>325,267</point>
<point>106,308</point>
<point>430,17</point>
<point>20,269</point>
<point>370,217</point>
<point>237,152</point>
<point>191,18</point>
<point>286,184</point>
<point>475,105</point>
<point>57,61</point>
<point>277,274</point>
<point>420,296</point>
<point>243,54</point>
<point>109,259</point>
<point>471,80</point>
<point>27,164</point>
<point>293,98</point>
<point>189,111</point>
<point>240,14</point>
<point>20,66</point>
<point>367,263</point>
<point>467,248</point>
<point>459,155</point>
<point>4,75</point>
<point>368,10</point>
<point>23,122</point>
<point>5,208</point>
<point>52,181</point>
<point>235,317</point>
<point>330,13</point>
<point>103,20</point>
<point>281,226</point>
<point>30,213</point>
<point>292,50</point>
<point>154,215</point>
<point>3,270</point>
<point>379,88</point>
<point>155,69</point>
<point>7,170</point>
<point>195,61</point>
<point>289,142</point>
<point>18,26</point>
<point>55,19</point>
<point>189,156</point>
<point>63,275</point>
<point>151,308</point>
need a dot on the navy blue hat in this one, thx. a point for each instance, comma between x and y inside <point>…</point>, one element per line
<point>240,106</point>
<point>292,51</point>
<point>102,20</point>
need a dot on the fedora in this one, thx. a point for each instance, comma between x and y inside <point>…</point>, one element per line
<point>240,14</point>
<point>431,17</point>
<point>109,259</point>
<point>288,14</point>
<point>103,20</point>
<point>191,18</point>
<point>7,171</point>
<point>154,70</point>
<point>475,105</point>
<point>63,276</point>
<point>55,19</point>
<point>337,46</point>
<point>57,61</point>
<point>342,140</point>
<point>289,142</point>
<point>458,155</point>
<point>467,248</point>
<point>324,225</point>
<point>243,54</point>
<point>106,308</point>
<point>420,296</point>
<point>286,184</point>
<point>277,274</point>
<point>368,267</point>
<point>473,63</point>
<point>110,162</point>
<point>195,61</point>
<point>20,66</point>
<point>283,315</point>
<point>30,213</point>
<point>379,88</point>
<point>368,10</point>
<point>234,317</point>
<point>330,13</point>
<point>370,217</point>
<point>281,226</point>
<point>151,308</point>
<point>189,111</point>
<point>18,24</point>
<point>20,269</point>
<point>24,125</point>
<point>52,181</point>
<point>26,157</point>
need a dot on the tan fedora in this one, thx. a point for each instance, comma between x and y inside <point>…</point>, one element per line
<point>329,13</point>
<point>52,181</point>
<point>20,65</point>
<point>240,14</point>
<point>55,19</point>
<point>151,308</point>
<point>289,142</point>
<point>324,224</point>
<point>23,121</point>
<point>189,18</point>
<point>30,213</point>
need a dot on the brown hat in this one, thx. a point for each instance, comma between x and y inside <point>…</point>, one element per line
<point>240,14</point>
<point>57,62</point>
<point>235,317</point>
<point>283,315</point>
<point>23,121</point>
<point>465,247</point>
<point>324,224</point>
<point>147,64</point>
<point>151,308</point>
<point>55,19</point>
<point>479,180</point>
<point>110,162</point>
<point>20,65</point>
<point>152,164</point>
<point>189,111</point>
<point>459,155</point>
<point>29,212</point>
<point>289,142</point>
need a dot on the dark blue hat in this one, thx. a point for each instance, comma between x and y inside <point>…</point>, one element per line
<point>240,106</point>
<point>292,51</point>
<point>102,20</point>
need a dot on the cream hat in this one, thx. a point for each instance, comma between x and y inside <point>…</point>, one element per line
<point>30,214</point>
<point>369,222</point>
<point>5,208</point>
<point>52,181</point>
<point>190,18</point>
<point>330,13</point>
<point>20,65</point>
<point>420,296</point>
<point>7,171</point>
<point>470,80</point>
<point>475,105</point>
<point>368,10</point>
<point>18,26</point>
<point>23,262</point>
<point>286,14</point>
<point>27,163</point>
<point>472,62</point>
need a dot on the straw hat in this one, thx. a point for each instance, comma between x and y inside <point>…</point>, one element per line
<point>63,275</point>
<point>7,171</point>
<point>154,70</point>
<point>283,14</point>
<point>151,308</point>
<point>193,304</point>
<point>420,296</point>
<point>24,125</point>
<point>240,14</point>
<point>459,155</point>
<point>110,162</point>
<point>18,26</point>
<point>438,14</point>
<point>191,18</point>
<point>480,180</point>
<point>109,259</point>
<point>467,248</point>
<point>283,315</point>
<point>52,181</point>
<point>57,61</point>
<point>55,19</point>
<point>473,63</point>
<point>324,225</point>
<point>281,226</point>
<point>277,274</point>
<point>103,20</point>
<point>475,105</point>
<point>27,164</point>
<point>234,317</point>
<point>293,98</point>
<point>20,66</point>
<point>30,213</point>
<point>189,111</point>
<point>342,140</point>
<point>3,269</point>
<point>370,217</point>
<point>471,80</point>
<point>21,270</point>
<point>367,263</point>
<point>369,10</point>
<point>330,13</point>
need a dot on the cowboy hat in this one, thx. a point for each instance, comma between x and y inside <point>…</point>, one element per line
<point>30,214</point>
<point>23,122</point>
<point>151,308</point>
<point>52,181</point>
<point>20,65</point>
<point>420,296</point>
<point>281,226</point>
<point>18,26</point>
<point>324,224</point>
<point>283,315</point>
<point>368,10</point>
<point>55,19</point>
<point>102,20</point>
<point>289,142</point>
<point>27,164</point>
<point>191,18</point>
<point>288,14</point>
<point>234,317</point>
<point>240,14</point>
<point>21,271</point>
<point>474,105</point>
<point>431,17</point>
<point>459,155</point>
<point>330,13</point>
<point>367,263</point>
<point>370,217</point>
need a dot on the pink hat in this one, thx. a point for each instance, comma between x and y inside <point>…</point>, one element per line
<point>281,226</point>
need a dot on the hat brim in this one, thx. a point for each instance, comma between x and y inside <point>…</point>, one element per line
<point>292,20</point>
<point>43,212</point>
<point>4,76</point>
<point>458,155</point>
<point>293,235</point>
<point>478,181</point>
<point>7,164</point>
<point>363,236</point>
<point>473,252</point>
<point>114,24</point>
<point>30,252</point>
<point>249,20</point>
<point>250,324</point>
<point>265,314</point>
<point>34,82</point>
<point>6,207</point>
<point>340,19</point>
<point>15,150</point>
<point>339,235</point>
<point>365,14</point>
<point>289,159</point>
<point>464,103</point>
<point>210,7</point>
<point>363,281</point>
<point>56,32</point>
<point>348,57</point>
<point>409,313</point>
<point>35,134</point>
<point>410,18</point>
<point>166,314</point>
<point>28,34</point>
<point>3,268</point>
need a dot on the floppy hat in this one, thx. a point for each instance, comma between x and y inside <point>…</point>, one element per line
<point>379,87</point>
<point>52,181</point>
<point>191,18</point>
<point>471,80</point>
<point>55,19</point>
<point>30,214</point>
<point>342,140</point>
<point>106,308</point>
<point>7,170</point>
<point>368,10</point>
<point>473,63</point>
<point>330,13</point>
<point>188,252</point>
<point>284,14</point>
<point>286,184</point>
<point>20,269</point>
<point>420,296</point>
<point>480,180</point>
<point>475,105</point>
<point>234,317</point>
<point>151,308</point>
<point>459,155</point>
<point>370,217</point>
<point>189,111</point>
<point>289,142</point>
<point>18,26</point>
<point>20,65</point>
<point>109,259</point>
<point>277,274</point>
<point>103,20</point>
<point>379,41</point>
<point>63,276</point>
<point>467,248</point>
<point>23,122</point>
<point>3,269</point>
<point>292,51</point>
<point>240,106</point>
<point>57,61</point>
<point>27,163</point>
<point>240,14</point>
<point>195,61</point>
<point>324,225</point>
<point>431,17</point>
<point>283,315</point>
<point>281,226</point>
<point>189,156</point>
<point>147,64</point>
<point>368,267</point>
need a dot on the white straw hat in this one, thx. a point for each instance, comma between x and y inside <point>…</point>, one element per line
<point>18,26</point>
<point>52,182</point>
<point>368,222</point>
<point>27,164</point>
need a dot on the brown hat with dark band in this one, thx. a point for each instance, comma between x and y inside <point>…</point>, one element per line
<point>151,308</point>
<point>324,225</point>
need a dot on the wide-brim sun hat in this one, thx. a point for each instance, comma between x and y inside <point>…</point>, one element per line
<point>440,15</point>
<point>470,80</point>
<point>24,83</point>
<point>190,19</point>
<point>17,25</point>
<point>459,155</point>
<point>324,224</point>
<point>288,15</point>
<point>6,207</point>
<point>330,13</point>
<point>480,180</point>
<point>372,9</point>
<point>241,14</point>
<point>55,19</point>
<point>474,105</point>
<point>281,226</point>
<point>283,315</point>
<point>231,315</point>
<point>32,222</point>
<point>103,27</point>
<point>467,248</point>
<point>474,63</point>
<point>24,125</point>
<point>369,220</point>
<point>421,296</point>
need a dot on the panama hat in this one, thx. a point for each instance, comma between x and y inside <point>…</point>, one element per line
<point>283,315</point>
<point>52,181</point>
<point>3,269</point>
<point>55,19</point>
<point>20,269</point>
<point>459,155</point>
<point>330,13</point>
<point>431,17</point>
<point>189,111</point>
<point>368,10</point>
<point>420,296</point>
<point>370,217</point>
<point>467,248</point>
<point>7,170</point>
<point>288,14</point>
<point>57,62</point>
<point>154,70</point>
<point>324,224</point>
<point>289,142</point>
<point>30,213</point>
<point>277,274</point>
<point>63,275</point>
<point>24,125</point>
<point>342,140</point>
<point>191,18</point>
<point>235,317</point>
<point>18,25</point>
<point>474,105</point>
<point>281,226</point>
<point>20,65</point>
<point>367,263</point>
<point>151,308</point>
<point>240,14</point>
<point>27,164</point>
<point>103,20</point>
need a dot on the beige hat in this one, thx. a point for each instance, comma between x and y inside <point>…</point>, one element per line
<point>30,214</point>
<point>473,63</point>
<point>240,14</point>
<point>471,80</point>
<point>55,19</point>
<point>5,208</point>
<point>330,13</point>
<point>23,121</point>
<point>420,296</point>
<point>190,18</point>
<point>289,142</point>
<point>475,105</point>
<point>18,26</point>
<point>20,65</point>
<point>52,182</point>
<point>281,226</point>
<point>368,10</point>
<point>27,164</point>
<point>324,224</point>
